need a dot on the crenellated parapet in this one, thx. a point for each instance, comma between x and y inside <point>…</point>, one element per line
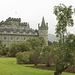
<point>4,23</point>
<point>43,27</point>
<point>24,24</point>
<point>13,19</point>
<point>7,22</point>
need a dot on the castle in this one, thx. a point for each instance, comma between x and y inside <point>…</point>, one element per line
<point>13,31</point>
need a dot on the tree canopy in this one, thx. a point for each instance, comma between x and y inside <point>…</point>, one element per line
<point>64,18</point>
<point>34,42</point>
<point>64,50</point>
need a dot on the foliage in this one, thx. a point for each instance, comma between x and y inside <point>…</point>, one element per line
<point>18,47</point>
<point>64,18</point>
<point>71,42</point>
<point>64,51</point>
<point>34,42</point>
<point>65,55</point>
<point>49,43</point>
<point>35,56</point>
<point>23,57</point>
<point>28,57</point>
<point>3,50</point>
<point>9,67</point>
<point>43,42</point>
<point>48,55</point>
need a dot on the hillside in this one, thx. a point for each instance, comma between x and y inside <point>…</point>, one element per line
<point>52,37</point>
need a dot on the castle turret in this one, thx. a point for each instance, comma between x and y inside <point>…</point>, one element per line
<point>43,30</point>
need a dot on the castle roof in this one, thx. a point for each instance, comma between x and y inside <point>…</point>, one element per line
<point>21,27</point>
<point>17,30</point>
<point>43,22</point>
<point>13,19</point>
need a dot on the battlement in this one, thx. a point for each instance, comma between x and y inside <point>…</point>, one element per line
<point>5,23</point>
<point>13,19</point>
<point>24,24</point>
<point>45,27</point>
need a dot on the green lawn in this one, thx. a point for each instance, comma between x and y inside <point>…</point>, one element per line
<point>8,66</point>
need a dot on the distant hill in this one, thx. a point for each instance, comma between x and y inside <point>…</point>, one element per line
<point>52,37</point>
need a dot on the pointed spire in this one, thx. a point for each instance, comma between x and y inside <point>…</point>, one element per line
<point>43,22</point>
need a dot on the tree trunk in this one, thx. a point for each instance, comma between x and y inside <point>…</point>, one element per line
<point>48,65</point>
<point>35,64</point>
<point>58,72</point>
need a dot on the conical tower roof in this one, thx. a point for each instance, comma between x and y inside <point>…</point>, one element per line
<point>43,22</point>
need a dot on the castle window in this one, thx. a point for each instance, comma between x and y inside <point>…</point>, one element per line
<point>22,27</point>
<point>41,32</point>
<point>5,32</point>
<point>17,38</point>
<point>30,33</point>
<point>4,45</point>
<point>11,38</point>
<point>17,32</point>
<point>35,33</point>
<point>11,32</point>
<point>23,32</point>
<point>4,37</point>
<point>24,38</point>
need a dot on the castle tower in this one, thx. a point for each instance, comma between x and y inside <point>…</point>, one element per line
<point>43,30</point>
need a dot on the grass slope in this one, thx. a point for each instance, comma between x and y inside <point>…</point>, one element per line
<point>8,67</point>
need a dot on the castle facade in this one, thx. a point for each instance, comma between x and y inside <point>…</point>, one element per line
<point>13,31</point>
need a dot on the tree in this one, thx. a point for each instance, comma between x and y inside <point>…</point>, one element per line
<point>47,55</point>
<point>23,57</point>
<point>14,48</point>
<point>49,43</point>
<point>34,42</point>
<point>64,18</point>
<point>64,52</point>
<point>3,50</point>
<point>64,59</point>
<point>65,55</point>
<point>43,42</point>
<point>35,56</point>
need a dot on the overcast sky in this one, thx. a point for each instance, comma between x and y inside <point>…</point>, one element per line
<point>32,11</point>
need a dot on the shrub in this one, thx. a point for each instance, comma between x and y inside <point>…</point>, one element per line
<point>19,47</point>
<point>35,57</point>
<point>23,57</point>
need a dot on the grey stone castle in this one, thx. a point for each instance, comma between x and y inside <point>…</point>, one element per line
<point>13,31</point>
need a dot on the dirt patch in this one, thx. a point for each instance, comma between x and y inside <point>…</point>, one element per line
<point>52,67</point>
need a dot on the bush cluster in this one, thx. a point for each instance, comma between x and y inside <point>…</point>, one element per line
<point>23,57</point>
<point>18,47</point>
<point>28,57</point>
